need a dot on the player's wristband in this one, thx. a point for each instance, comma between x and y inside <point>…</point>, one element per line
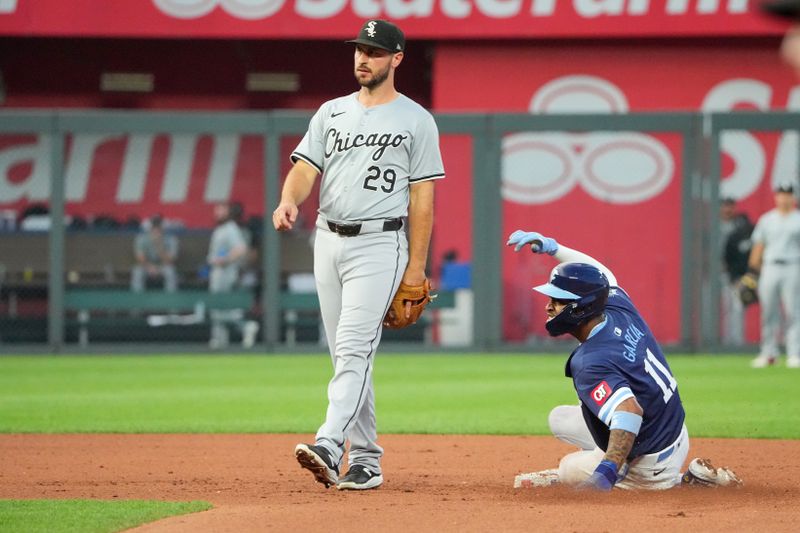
<point>630,422</point>
<point>607,469</point>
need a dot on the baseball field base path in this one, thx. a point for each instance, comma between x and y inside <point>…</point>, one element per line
<point>433,483</point>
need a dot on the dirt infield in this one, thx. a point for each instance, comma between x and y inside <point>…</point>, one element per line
<point>433,483</point>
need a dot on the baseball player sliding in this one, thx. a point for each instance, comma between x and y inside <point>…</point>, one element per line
<point>378,152</point>
<point>629,425</point>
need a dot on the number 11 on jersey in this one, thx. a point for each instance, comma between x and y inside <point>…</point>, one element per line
<point>656,370</point>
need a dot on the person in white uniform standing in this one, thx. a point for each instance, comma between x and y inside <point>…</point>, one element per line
<point>378,153</point>
<point>226,252</point>
<point>776,257</point>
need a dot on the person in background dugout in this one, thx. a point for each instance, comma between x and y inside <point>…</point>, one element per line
<point>155,254</point>
<point>735,230</point>
<point>776,258</point>
<point>790,48</point>
<point>226,251</point>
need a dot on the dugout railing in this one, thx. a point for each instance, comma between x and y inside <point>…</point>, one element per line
<point>699,172</point>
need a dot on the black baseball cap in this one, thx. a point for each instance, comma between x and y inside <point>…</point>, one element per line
<point>381,34</point>
<point>782,8</point>
<point>785,187</point>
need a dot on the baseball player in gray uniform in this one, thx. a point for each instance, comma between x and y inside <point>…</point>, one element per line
<point>226,251</point>
<point>155,253</point>
<point>378,152</point>
<point>776,255</point>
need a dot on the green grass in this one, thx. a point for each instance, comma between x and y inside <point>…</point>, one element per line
<point>470,394</point>
<point>86,516</point>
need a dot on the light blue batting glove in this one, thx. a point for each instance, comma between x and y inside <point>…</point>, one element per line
<point>539,243</point>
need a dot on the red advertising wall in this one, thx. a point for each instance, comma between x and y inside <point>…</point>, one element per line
<point>303,19</point>
<point>615,196</point>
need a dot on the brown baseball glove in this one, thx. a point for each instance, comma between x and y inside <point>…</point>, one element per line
<point>748,288</point>
<point>418,295</point>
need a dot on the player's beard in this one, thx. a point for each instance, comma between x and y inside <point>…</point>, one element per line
<point>376,79</point>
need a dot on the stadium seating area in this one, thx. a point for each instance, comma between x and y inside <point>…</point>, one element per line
<point>102,259</point>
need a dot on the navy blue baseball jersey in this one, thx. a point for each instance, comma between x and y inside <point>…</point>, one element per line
<point>620,360</point>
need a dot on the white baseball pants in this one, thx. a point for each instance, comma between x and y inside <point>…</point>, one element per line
<point>656,471</point>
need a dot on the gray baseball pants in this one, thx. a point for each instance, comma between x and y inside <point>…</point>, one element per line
<point>223,279</point>
<point>139,275</point>
<point>779,283</point>
<point>356,280</point>
<point>732,313</point>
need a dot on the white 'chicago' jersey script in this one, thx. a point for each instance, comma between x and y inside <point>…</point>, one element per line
<point>369,156</point>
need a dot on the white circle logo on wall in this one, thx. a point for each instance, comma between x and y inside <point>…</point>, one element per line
<point>243,9</point>
<point>625,168</point>
<point>537,168</point>
<point>621,168</point>
<point>8,6</point>
<point>579,94</point>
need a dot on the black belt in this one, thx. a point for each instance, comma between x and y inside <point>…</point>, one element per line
<point>351,230</point>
